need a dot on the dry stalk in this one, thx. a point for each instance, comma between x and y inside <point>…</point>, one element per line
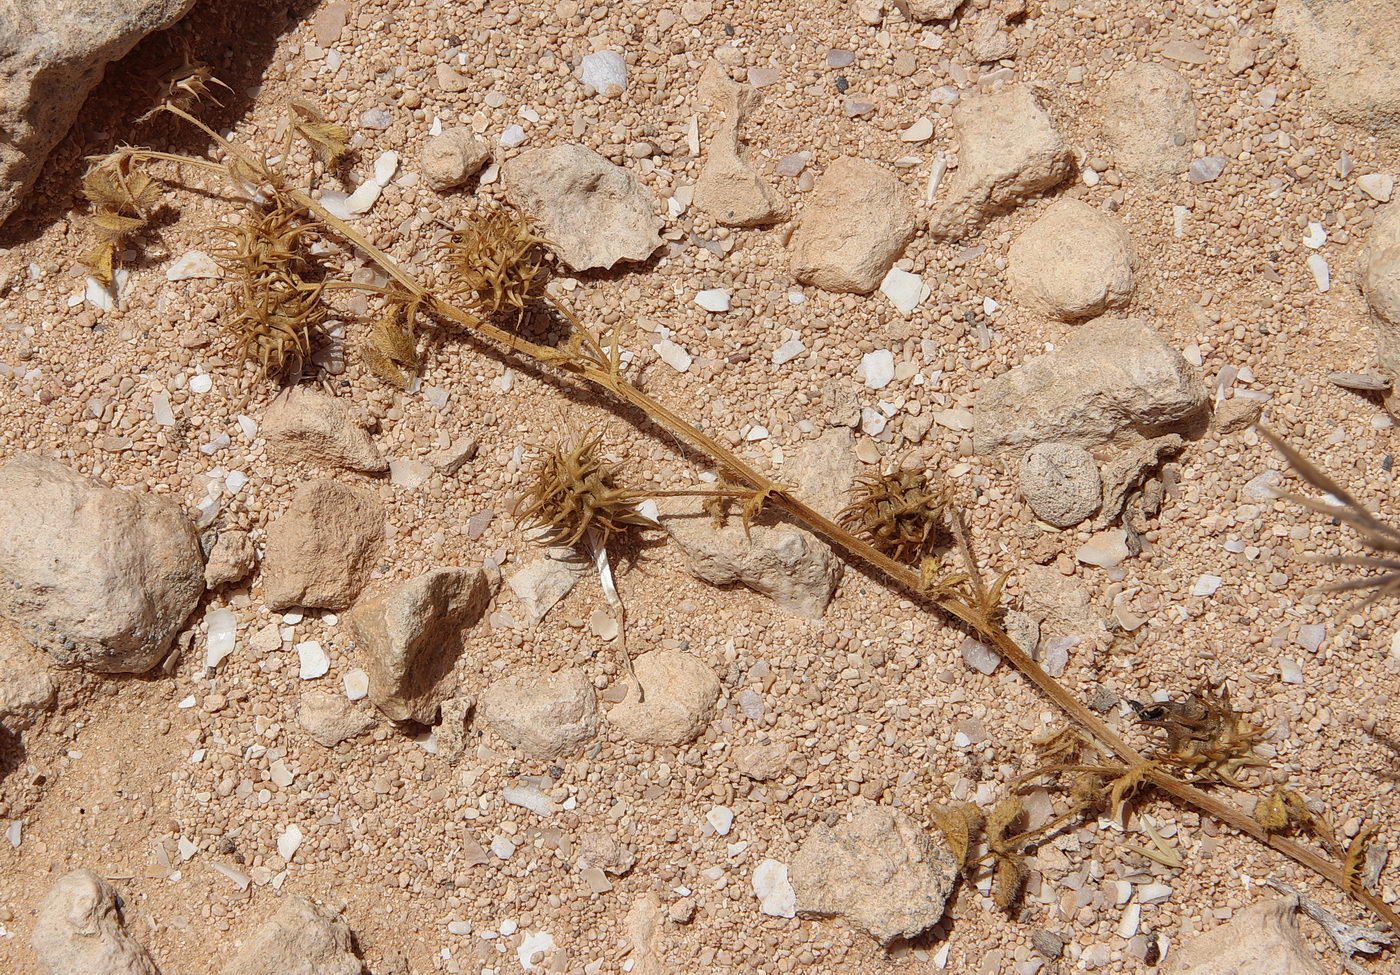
<point>973,604</point>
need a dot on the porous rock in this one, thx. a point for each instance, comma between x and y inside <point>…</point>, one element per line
<point>880,871</point>
<point>729,187</point>
<point>301,938</point>
<point>925,11</point>
<point>1263,939</point>
<point>321,551</point>
<point>544,715</point>
<point>761,762</point>
<point>453,157</point>
<point>789,564</point>
<point>1074,262</point>
<point>1114,379</point>
<point>594,212</point>
<point>27,690</point>
<point>97,577</point>
<point>1009,149</point>
<point>302,423</point>
<point>1149,120</point>
<point>1378,267</point>
<point>1060,482</point>
<point>408,639</point>
<point>678,699</point>
<point>329,718</point>
<point>79,931</point>
<point>52,54</point>
<point>230,560</point>
<point>602,849</point>
<point>1350,51</point>
<point>855,226</point>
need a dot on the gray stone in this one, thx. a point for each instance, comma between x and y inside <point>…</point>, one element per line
<point>1074,262</point>
<point>1128,471</point>
<point>678,699</point>
<point>1263,939</point>
<point>593,212</point>
<point>1060,482</point>
<point>1009,149</point>
<point>924,11</point>
<point>79,931</point>
<point>409,639</point>
<point>1149,120</point>
<point>880,871</point>
<point>305,424</point>
<point>97,577</point>
<point>321,551</point>
<point>1113,380</point>
<point>544,715</point>
<point>52,54</point>
<point>854,227</point>
<point>762,762</point>
<point>299,939</point>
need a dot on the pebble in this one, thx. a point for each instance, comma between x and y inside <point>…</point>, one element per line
<point>314,662</point>
<point>771,885</point>
<point>1289,671</point>
<point>877,368</point>
<point>788,351</point>
<point>201,383</point>
<point>979,656</point>
<point>192,264</point>
<point>1105,549</point>
<point>920,131</point>
<point>1378,186</point>
<point>1322,274</point>
<point>904,290</point>
<point>1206,585</point>
<point>221,625</point>
<point>1311,635</point>
<point>356,684</point>
<point>513,136</point>
<point>1315,237</point>
<point>713,300</point>
<point>289,842</point>
<point>721,818</point>
<point>1205,169</point>
<point>603,73</point>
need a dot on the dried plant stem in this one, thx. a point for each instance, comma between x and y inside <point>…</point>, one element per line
<point>600,368</point>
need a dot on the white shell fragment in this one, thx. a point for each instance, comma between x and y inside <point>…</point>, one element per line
<point>314,662</point>
<point>192,264</point>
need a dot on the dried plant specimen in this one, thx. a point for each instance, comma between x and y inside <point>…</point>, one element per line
<point>575,492</point>
<point>903,514</point>
<point>326,139</point>
<point>122,198</point>
<point>498,260</point>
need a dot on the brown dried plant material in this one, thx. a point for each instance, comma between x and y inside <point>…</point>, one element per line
<point>499,260</point>
<point>902,514</point>
<point>326,139</point>
<point>1205,736</point>
<point>1009,872</point>
<point>960,826</point>
<point>390,351</point>
<point>575,492</point>
<point>123,198</point>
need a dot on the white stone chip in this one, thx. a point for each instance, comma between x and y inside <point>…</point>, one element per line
<point>314,662</point>
<point>721,818</point>
<point>356,684</point>
<point>920,131</point>
<point>192,264</point>
<point>201,383</point>
<point>771,885</point>
<point>1315,237</point>
<point>513,136</point>
<point>1106,549</point>
<point>1378,186</point>
<point>673,355</point>
<point>713,300</point>
<point>1322,274</point>
<point>603,73</point>
<point>385,167</point>
<point>877,368</point>
<point>904,290</point>
<point>289,842</point>
<point>364,197</point>
<point>1290,671</point>
<point>1206,585</point>
<point>535,943</point>
<point>788,351</point>
<point>222,625</point>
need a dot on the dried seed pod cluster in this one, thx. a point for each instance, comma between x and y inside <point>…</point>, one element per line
<point>575,492</point>
<point>499,260</point>
<point>903,514</point>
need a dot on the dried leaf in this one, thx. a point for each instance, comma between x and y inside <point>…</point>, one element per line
<point>98,260</point>
<point>1002,822</point>
<point>1007,878</point>
<point>959,825</point>
<point>391,348</point>
<point>326,139</point>
<point>1354,864</point>
<point>755,502</point>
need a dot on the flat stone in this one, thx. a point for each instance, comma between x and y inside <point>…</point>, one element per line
<point>301,938</point>
<point>305,424</point>
<point>544,715</point>
<point>321,551</point>
<point>1149,120</point>
<point>79,931</point>
<point>854,227</point>
<point>1263,939</point>
<point>1060,482</point>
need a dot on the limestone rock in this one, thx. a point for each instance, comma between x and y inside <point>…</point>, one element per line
<point>1009,149</point>
<point>52,54</point>
<point>544,715</point>
<point>1126,473</point>
<point>643,927</point>
<point>26,689</point>
<point>1113,378</point>
<point>1379,271</point>
<point>1263,939</point>
<point>1060,482</point>
<point>856,225</point>
<point>678,699</point>
<point>299,939</point>
<point>409,639</point>
<point>230,560</point>
<point>1074,262</point>
<point>924,11</point>
<point>305,424</point>
<point>762,762</point>
<point>97,577</point>
<point>329,718</point>
<point>789,564</point>
<point>79,931</point>
<point>1149,120</point>
<point>1350,50</point>
<point>1062,605</point>
<point>453,157</point>
<point>602,849</point>
<point>321,551</point>
<point>881,871</point>
<point>729,186</point>
<point>539,585</point>
<point>595,213</point>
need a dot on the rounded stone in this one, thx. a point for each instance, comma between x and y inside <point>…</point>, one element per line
<point>1061,483</point>
<point>1075,262</point>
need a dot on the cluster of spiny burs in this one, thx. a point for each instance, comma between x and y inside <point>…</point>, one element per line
<point>906,524</point>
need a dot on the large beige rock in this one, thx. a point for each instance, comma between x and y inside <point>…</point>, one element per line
<point>79,931</point>
<point>409,639</point>
<point>1149,120</point>
<point>594,213</point>
<point>678,699</point>
<point>856,225</point>
<point>1008,149</point>
<point>27,690</point>
<point>52,53</point>
<point>1074,262</point>
<point>299,939</point>
<point>790,565</point>
<point>1113,380</point>
<point>305,424</point>
<point>1350,51</point>
<point>880,871</point>
<point>924,11</point>
<point>1263,939</point>
<point>1379,270</point>
<point>321,551</point>
<point>544,715</point>
<point>97,577</point>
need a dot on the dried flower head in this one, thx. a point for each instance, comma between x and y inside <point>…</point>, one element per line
<point>122,198</point>
<point>576,492</point>
<point>326,139</point>
<point>391,348</point>
<point>499,260</point>
<point>902,514</point>
<point>1205,736</point>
